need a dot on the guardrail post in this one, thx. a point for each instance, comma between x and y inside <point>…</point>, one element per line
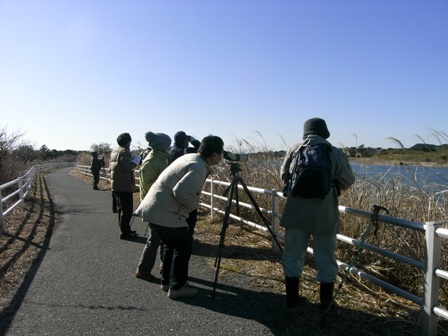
<point>20,188</point>
<point>431,282</point>
<point>1,212</point>
<point>212,198</point>
<point>274,220</point>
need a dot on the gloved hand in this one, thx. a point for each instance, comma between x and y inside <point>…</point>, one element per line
<point>191,139</point>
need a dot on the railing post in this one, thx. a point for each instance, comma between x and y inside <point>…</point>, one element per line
<point>20,185</point>
<point>431,282</point>
<point>212,199</point>
<point>274,220</point>
<point>1,212</point>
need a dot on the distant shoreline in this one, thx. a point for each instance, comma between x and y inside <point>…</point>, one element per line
<point>376,160</point>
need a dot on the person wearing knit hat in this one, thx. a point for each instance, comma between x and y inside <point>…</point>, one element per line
<point>305,217</point>
<point>153,164</point>
<point>122,165</point>
<point>158,141</point>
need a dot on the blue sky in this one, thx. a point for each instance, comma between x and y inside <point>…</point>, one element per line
<point>75,73</point>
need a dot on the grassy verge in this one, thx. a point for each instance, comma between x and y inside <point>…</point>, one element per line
<point>23,245</point>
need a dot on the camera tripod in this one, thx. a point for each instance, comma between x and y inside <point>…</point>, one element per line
<point>232,189</point>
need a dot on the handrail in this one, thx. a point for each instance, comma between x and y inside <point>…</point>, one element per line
<point>23,186</point>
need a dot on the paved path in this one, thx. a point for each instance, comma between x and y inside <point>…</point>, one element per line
<point>85,283</point>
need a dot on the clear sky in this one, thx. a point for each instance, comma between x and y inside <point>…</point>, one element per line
<point>78,72</point>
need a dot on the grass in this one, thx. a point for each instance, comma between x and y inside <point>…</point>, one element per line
<point>23,245</point>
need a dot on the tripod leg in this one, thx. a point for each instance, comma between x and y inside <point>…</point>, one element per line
<point>223,234</point>
<point>257,208</point>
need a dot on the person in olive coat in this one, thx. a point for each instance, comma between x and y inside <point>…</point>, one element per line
<point>306,217</point>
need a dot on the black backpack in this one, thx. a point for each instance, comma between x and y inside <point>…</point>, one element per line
<point>312,175</point>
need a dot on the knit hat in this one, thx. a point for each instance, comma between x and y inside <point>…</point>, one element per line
<point>123,139</point>
<point>316,126</point>
<point>159,141</point>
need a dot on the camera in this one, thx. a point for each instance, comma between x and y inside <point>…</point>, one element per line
<point>235,157</point>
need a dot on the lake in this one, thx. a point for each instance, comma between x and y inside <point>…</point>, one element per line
<point>427,178</point>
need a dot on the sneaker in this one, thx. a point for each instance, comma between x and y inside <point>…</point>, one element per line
<point>165,288</point>
<point>129,235</point>
<point>185,291</point>
<point>148,277</point>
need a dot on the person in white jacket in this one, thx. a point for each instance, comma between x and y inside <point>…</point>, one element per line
<point>167,205</point>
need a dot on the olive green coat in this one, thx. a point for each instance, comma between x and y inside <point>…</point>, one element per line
<point>315,215</point>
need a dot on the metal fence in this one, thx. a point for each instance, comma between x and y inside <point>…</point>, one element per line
<point>18,189</point>
<point>433,231</point>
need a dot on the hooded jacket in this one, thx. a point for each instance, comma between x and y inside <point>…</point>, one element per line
<point>176,192</point>
<point>316,216</point>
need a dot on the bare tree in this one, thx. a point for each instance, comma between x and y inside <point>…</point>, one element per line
<point>7,144</point>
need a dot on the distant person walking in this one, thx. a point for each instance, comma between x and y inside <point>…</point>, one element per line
<point>95,167</point>
<point>167,204</point>
<point>122,165</point>
<point>305,217</point>
<point>153,164</point>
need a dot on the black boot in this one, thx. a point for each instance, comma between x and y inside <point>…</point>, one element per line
<point>326,295</point>
<point>292,291</point>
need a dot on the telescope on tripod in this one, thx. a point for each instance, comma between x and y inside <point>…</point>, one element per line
<point>232,190</point>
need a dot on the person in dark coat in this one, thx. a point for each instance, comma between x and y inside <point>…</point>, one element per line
<point>181,147</point>
<point>306,217</point>
<point>95,167</point>
<point>122,165</point>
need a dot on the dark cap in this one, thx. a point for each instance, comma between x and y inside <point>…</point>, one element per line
<point>123,139</point>
<point>316,126</point>
<point>179,138</point>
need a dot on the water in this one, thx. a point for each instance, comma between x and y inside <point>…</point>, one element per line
<point>433,179</point>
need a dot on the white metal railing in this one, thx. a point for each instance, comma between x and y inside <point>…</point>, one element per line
<point>434,235</point>
<point>433,231</point>
<point>104,173</point>
<point>18,189</point>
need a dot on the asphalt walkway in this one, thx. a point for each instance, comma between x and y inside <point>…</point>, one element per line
<point>85,284</point>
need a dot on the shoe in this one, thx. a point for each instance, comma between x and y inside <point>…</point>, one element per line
<point>148,277</point>
<point>185,291</point>
<point>129,235</point>
<point>114,210</point>
<point>165,288</point>
<point>96,188</point>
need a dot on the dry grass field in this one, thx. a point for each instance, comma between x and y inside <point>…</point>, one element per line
<point>362,308</point>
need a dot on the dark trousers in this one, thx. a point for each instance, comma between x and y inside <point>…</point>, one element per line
<point>191,221</point>
<point>177,252</point>
<point>96,177</point>
<point>126,201</point>
<point>114,202</point>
